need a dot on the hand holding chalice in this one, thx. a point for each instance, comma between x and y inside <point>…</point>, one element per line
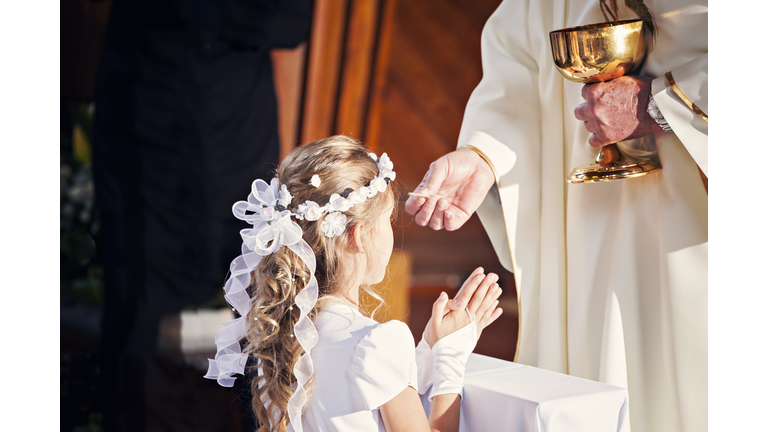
<point>598,53</point>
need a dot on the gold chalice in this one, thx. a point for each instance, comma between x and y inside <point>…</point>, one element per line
<point>596,53</point>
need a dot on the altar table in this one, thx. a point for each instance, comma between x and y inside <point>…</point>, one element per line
<point>503,396</point>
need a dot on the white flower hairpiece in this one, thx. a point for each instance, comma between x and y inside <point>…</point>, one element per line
<point>268,209</point>
<point>312,211</point>
<point>333,224</point>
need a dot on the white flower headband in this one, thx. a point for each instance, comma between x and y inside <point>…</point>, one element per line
<point>268,210</point>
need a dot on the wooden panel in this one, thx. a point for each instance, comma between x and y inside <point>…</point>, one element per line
<point>427,66</point>
<point>433,63</point>
<point>325,52</point>
<point>356,69</point>
<point>394,289</point>
<point>288,71</point>
<point>428,63</point>
<point>379,80</point>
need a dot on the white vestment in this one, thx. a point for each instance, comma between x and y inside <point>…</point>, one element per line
<point>612,277</point>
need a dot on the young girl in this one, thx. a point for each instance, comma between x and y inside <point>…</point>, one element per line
<point>321,233</point>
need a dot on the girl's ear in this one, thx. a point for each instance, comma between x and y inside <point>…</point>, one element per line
<point>355,238</point>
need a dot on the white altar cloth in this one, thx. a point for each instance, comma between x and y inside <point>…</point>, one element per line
<point>503,396</point>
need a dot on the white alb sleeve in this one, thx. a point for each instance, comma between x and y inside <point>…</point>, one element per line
<point>692,130</point>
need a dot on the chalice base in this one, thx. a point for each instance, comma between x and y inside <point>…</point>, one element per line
<point>624,168</point>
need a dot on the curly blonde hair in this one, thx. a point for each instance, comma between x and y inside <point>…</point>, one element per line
<point>344,165</point>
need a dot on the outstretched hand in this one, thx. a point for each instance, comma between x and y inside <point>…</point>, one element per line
<point>615,110</point>
<point>457,184</point>
<point>479,295</point>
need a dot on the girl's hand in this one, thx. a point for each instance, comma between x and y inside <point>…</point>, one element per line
<point>482,293</point>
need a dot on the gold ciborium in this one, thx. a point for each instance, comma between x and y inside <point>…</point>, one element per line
<point>596,53</point>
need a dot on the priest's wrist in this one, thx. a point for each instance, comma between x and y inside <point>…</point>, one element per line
<point>654,112</point>
<point>482,156</point>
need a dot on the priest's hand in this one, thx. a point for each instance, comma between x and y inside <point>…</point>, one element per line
<point>456,184</point>
<point>616,110</point>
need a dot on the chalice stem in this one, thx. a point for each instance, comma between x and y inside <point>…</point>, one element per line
<point>608,155</point>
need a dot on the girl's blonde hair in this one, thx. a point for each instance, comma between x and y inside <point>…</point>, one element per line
<point>343,166</point>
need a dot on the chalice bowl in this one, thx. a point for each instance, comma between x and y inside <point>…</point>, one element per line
<point>597,53</point>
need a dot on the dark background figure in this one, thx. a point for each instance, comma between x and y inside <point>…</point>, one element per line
<point>185,120</point>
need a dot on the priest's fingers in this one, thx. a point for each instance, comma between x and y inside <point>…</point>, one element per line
<point>481,292</point>
<point>591,124</point>
<point>454,218</point>
<point>436,222</point>
<point>460,300</point>
<point>438,171</point>
<point>586,91</point>
<point>419,197</point>
<point>429,185</point>
<point>598,137</point>
<point>598,140</point>
<point>413,203</point>
<point>582,112</point>
<point>424,215</point>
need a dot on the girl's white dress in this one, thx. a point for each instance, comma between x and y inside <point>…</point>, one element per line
<point>360,364</point>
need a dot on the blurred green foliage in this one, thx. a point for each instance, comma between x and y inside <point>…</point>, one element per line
<point>81,278</point>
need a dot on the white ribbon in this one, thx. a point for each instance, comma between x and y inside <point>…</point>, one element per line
<point>229,358</point>
<point>305,333</point>
<point>270,232</point>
